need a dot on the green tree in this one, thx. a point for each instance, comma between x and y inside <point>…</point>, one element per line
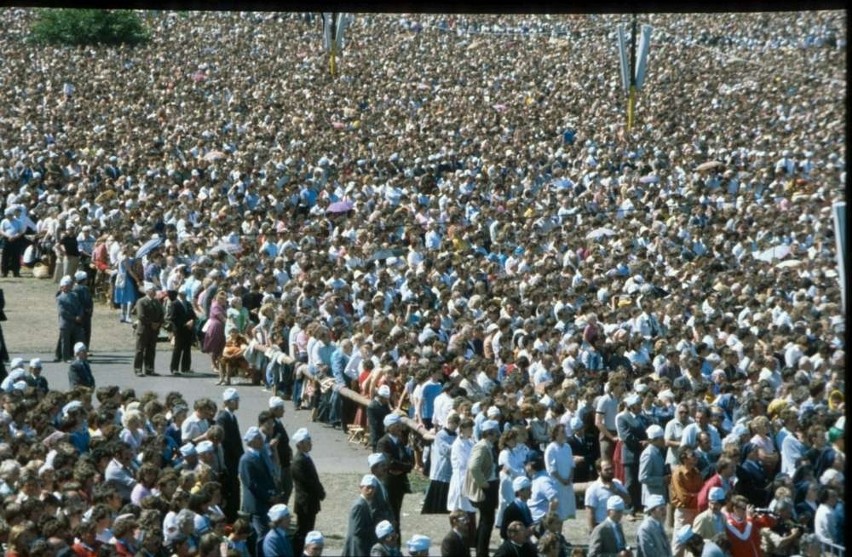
<point>88,27</point>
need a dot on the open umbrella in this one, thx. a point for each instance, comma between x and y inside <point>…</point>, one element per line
<point>340,206</point>
<point>149,246</point>
<point>214,155</point>
<point>387,253</point>
<point>776,252</point>
<point>709,165</point>
<point>600,233</point>
<point>226,247</point>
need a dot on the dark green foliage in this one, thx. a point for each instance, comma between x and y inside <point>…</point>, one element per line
<point>88,27</point>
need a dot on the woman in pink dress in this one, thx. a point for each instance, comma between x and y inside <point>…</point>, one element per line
<point>214,336</point>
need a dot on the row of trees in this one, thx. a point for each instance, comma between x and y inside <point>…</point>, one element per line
<point>73,27</point>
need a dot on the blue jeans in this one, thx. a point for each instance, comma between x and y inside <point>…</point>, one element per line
<point>271,378</point>
<point>297,392</point>
<point>336,404</point>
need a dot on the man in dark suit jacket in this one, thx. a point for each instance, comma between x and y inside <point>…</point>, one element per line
<point>282,447</point>
<point>85,297</point>
<point>517,510</point>
<point>308,489</point>
<point>455,543</point>
<point>150,316</point>
<point>80,372</point>
<point>378,408</point>
<point>181,323</point>
<point>400,463</point>
<point>257,486</point>
<point>517,544</point>
<point>232,451</point>
<point>34,377</point>
<point>633,440</point>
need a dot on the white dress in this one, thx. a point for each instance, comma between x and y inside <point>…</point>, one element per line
<point>514,460</point>
<point>459,456</point>
<point>561,459</point>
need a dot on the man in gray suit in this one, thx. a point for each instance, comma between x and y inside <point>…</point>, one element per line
<point>632,436</point>
<point>70,319</point>
<point>361,530</point>
<point>607,538</point>
<point>651,539</point>
<point>652,465</point>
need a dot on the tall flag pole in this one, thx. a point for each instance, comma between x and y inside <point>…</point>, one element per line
<point>838,212</point>
<point>631,99</point>
<point>333,26</point>
<point>632,70</point>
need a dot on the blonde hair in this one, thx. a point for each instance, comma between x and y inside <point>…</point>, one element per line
<point>759,421</point>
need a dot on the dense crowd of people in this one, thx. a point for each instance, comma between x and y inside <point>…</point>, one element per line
<point>586,321</point>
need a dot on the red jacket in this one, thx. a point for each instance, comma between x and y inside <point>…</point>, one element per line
<point>713,481</point>
<point>745,535</point>
<point>82,550</point>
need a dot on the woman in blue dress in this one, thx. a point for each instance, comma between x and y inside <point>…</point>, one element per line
<point>126,284</point>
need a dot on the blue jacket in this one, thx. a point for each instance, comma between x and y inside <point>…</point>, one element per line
<point>257,486</point>
<point>276,543</point>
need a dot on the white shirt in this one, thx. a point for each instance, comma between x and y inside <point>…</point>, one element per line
<point>441,409</point>
<point>822,523</point>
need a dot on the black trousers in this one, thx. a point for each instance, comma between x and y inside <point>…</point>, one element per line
<point>86,326</point>
<point>68,337</point>
<point>146,349</point>
<point>631,483</point>
<point>396,488</point>
<point>182,351</point>
<point>487,511</point>
<point>231,493</point>
<point>306,523</point>
<point>10,260</point>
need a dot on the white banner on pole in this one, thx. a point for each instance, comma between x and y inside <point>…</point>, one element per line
<point>328,25</point>
<point>642,55</point>
<point>838,211</point>
<point>621,42</point>
<point>339,28</point>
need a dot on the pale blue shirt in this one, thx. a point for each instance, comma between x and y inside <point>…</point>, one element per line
<point>543,492</point>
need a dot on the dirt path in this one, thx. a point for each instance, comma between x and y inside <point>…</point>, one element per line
<point>32,331</point>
